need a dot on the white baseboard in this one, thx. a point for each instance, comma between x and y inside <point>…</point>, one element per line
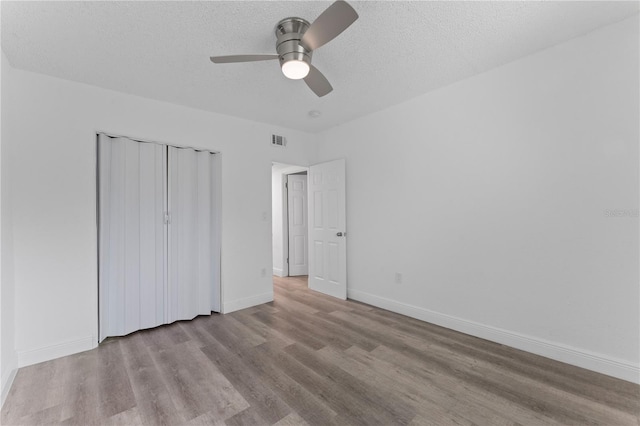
<point>278,272</point>
<point>247,302</point>
<point>582,358</point>
<point>7,381</point>
<point>47,353</point>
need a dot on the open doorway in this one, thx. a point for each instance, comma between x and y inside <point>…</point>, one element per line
<point>289,216</point>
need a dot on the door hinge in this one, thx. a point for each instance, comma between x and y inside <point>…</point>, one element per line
<point>286,185</point>
<point>287,260</point>
<point>167,217</point>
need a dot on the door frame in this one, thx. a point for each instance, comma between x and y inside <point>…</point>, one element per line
<point>285,169</point>
<point>286,229</point>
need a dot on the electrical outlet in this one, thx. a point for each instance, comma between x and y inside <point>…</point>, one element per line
<point>263,272</point>
<point>265,216</point>
<point>398,278</point>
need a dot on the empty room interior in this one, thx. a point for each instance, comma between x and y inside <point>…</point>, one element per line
<point>320,213</point>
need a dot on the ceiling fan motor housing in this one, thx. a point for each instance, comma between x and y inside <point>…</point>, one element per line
<point>289,32</point>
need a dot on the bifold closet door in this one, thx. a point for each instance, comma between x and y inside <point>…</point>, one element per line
<point>194,250</point>
<point>131,234</point>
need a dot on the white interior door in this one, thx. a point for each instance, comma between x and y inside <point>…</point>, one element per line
<point>298,232</point>
<point>327,229</point>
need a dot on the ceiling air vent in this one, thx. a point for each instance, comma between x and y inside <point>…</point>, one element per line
<point>277,140</point>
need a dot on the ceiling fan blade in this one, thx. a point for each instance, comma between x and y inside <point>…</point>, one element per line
<point>241,58</point>
<point>317,82</point>
<point>333,21</point>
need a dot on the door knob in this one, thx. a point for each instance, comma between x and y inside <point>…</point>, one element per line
<point>339,234</point>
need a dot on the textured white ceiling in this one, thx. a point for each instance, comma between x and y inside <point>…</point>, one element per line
<point>395,51</point>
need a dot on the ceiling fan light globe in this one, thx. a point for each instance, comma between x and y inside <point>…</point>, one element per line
<point>295,69</point>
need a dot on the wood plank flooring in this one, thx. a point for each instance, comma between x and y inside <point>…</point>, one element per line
<point>310,359</point>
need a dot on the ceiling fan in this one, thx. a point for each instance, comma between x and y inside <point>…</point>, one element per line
<point>296,41</point>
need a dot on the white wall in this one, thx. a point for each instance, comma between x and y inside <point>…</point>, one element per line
<point>490,196</point>
<point>8,358</point>
<point>52,177</point>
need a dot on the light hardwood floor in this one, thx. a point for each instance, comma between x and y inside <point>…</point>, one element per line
<point>311,359</point>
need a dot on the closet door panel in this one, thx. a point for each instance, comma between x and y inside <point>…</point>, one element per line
<point>191,262</point>
<point>131,287</point>
<point>105,241</point>
<point>214,166</point>
<point>131,235</point>
<point>152,235</point>
<point>181,249</point>
<point>204,238</point>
